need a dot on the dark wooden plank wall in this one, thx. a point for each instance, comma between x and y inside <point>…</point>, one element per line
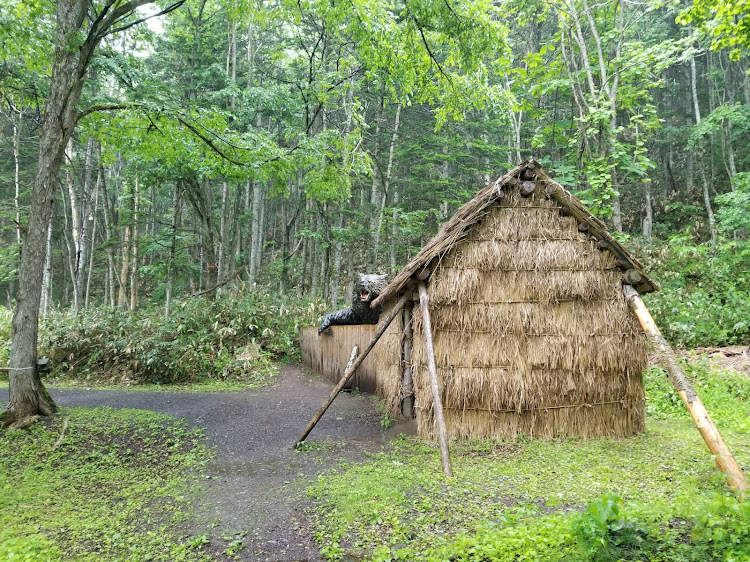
<point>328,354</point>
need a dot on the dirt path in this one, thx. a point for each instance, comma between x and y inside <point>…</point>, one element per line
<point>255,486</point>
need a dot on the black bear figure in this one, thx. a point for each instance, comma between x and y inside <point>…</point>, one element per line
<point>367,290</point>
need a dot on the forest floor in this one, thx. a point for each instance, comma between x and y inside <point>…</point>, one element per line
<point>254,487</point>
<point>735,357</point>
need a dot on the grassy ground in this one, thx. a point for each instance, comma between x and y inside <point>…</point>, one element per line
<point>657,496</point>
<point>113,488</point>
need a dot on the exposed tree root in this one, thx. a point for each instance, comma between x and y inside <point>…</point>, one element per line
<point>62,433</point>
<point>24,422</point>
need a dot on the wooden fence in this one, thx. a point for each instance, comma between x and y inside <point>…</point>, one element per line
<point>329,353</point>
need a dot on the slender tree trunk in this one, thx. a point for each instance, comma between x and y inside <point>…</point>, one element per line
<point>46,297</point>
<point>222,253</point>
<point>93,237</point>
<point>83,242</point>
<point>375,193</point>
<point>648,220</point>
<point>74,218</point>
<point>70,253</point>
<point>125,267</point>
<point>171,265</point>
<point>256,244</point>
<point>706,194</point>
<point>111,268</point>
<point>16,174</point>
<point>394,229</point>
<point>136,245</point>
<point>387,178</point>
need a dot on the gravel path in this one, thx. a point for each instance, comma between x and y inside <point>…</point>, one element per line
<point>255,485</point>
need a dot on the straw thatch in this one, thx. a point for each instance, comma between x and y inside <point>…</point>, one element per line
<point>531,331</point>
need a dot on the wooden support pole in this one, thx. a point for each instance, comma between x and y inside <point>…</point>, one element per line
<point>723,456</point>
<point>437,403</point>
<point>407,381</point>
<point>351,369</point>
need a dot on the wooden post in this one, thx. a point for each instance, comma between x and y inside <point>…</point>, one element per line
<point>437,404</point>
<point>407,381</point>
<point>352,368</point>
<point>723,456</point>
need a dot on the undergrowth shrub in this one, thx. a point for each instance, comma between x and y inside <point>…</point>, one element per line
<point>227,338</point>
<point>5,317</point>
<point>704,296</point>
<point>725,393</point>
<point>609,530</point>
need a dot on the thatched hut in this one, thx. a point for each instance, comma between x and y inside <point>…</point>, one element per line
<point>532,334</point>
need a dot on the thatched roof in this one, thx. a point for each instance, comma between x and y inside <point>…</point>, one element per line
<point>530,176</point>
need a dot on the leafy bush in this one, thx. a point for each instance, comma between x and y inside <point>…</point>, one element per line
<point>228,338</point>
<point>705,293</point>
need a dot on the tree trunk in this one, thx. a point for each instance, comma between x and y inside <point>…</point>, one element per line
<point>255,232</point>
<point>176,203</point>
<point>136,246</point>
<point>28,396</point>
<point>387,176</point>
<point>108,238</point>
<point>16,174</point>
<point>74,219</point>
<point>46,297</point>
<point>375,194</point>
<point>125,268</point>
<point>648,221</point>
<point>83,243</point>
<point>93,237</point>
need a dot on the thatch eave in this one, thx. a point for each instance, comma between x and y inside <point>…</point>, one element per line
<point>456,228</point>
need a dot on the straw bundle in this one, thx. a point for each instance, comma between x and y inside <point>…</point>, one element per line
<point>390,366</point>
<point>531,333</point>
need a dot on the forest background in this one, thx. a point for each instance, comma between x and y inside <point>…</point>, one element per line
<point>236,163</point>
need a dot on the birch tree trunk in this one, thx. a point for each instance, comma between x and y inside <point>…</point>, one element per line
<point>46,297</point>
<point>74,219</point>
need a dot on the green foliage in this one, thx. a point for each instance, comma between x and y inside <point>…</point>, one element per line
<point>734,211</point>
<point>656,496</point>
<point>727,22</point>
<point>112,488</point>
<point>705,293</point>
<point>725,393</point>
<point>229,338</point>
<point>5,319</point>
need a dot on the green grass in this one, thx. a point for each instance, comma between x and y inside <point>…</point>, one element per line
<point>114,488</point>
<point>657,496</point>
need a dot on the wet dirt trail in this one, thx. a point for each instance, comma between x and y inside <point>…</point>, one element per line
<point>255,484</point>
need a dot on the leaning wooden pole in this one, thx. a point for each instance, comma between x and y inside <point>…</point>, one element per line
<point>724,458</point>
<point>437,403</point>
<point>352,368</point>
